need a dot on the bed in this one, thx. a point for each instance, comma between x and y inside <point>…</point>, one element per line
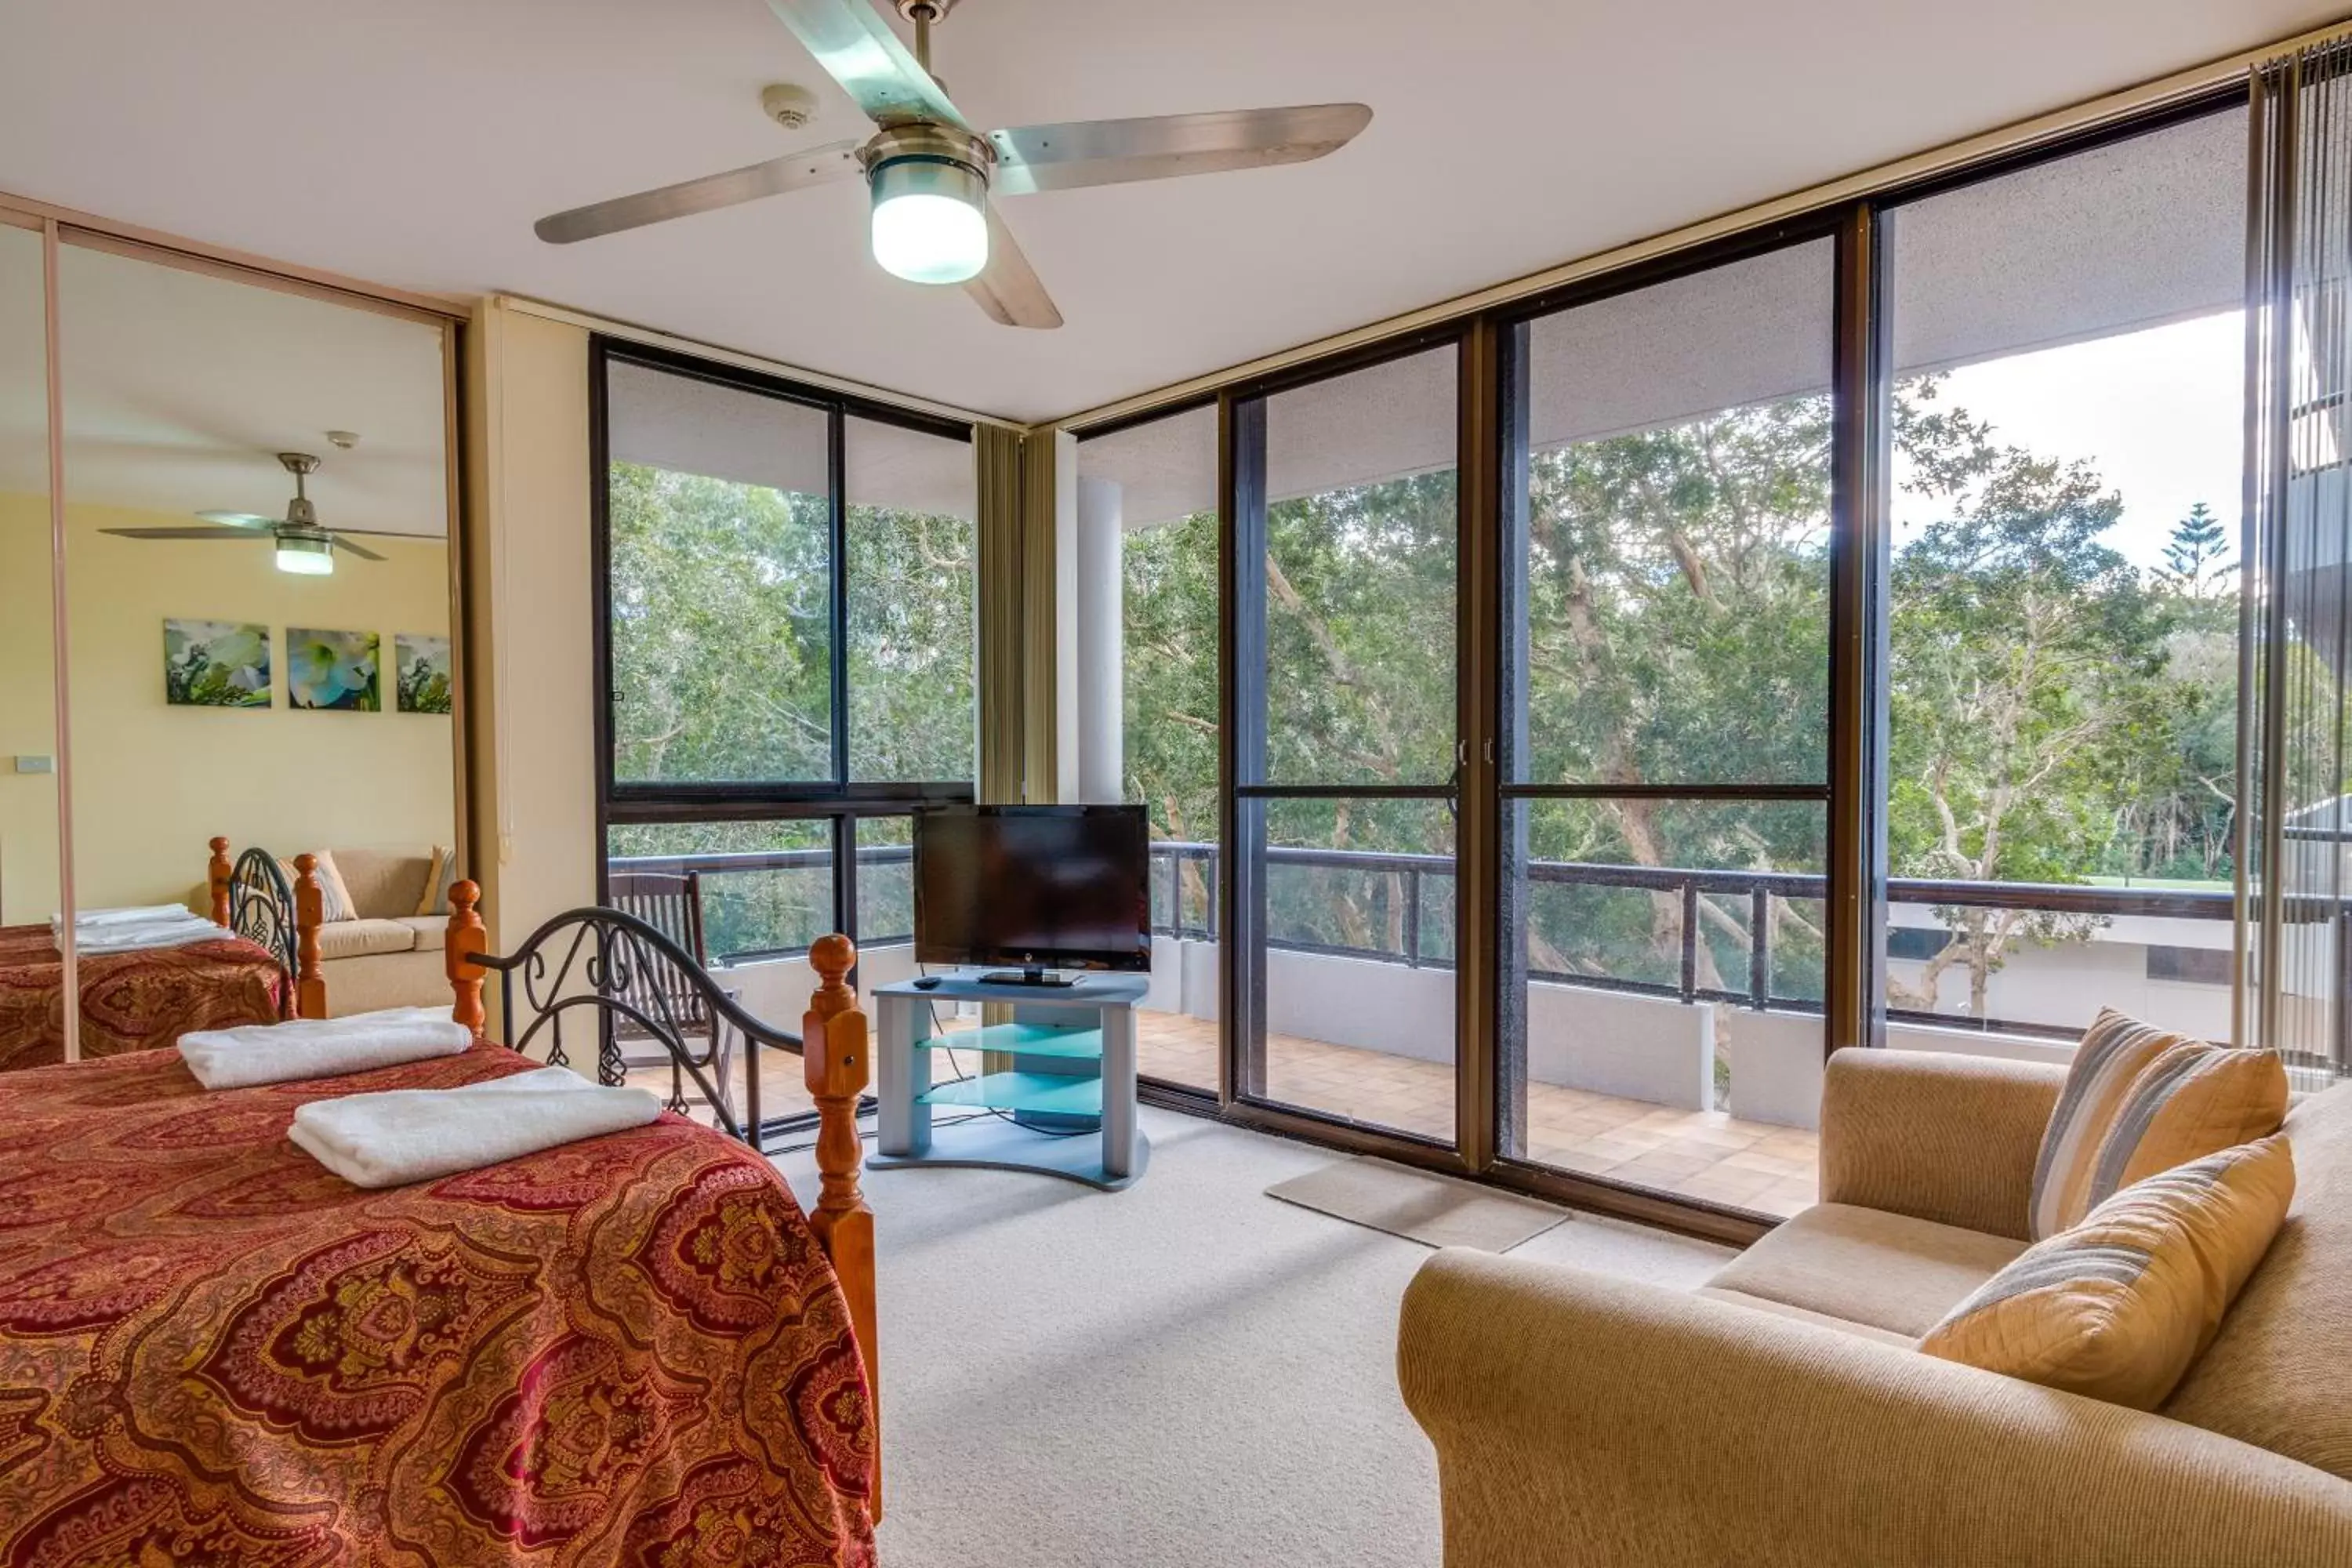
<point>130,1001</point>
<point>632,1349</point>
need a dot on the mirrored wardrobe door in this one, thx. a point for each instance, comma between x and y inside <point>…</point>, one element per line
<point>32,1007</point>
<point>260,640</point>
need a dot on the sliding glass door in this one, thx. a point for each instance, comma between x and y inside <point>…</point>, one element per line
<point>1664,741</point>
<point>1346,745</point>
<point>1826,637</point>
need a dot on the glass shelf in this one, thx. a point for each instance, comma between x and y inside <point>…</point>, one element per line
<point>1022,1092</point>
<point>1029,1039</point>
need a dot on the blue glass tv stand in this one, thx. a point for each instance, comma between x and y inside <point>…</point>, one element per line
<point>1065,1079</point>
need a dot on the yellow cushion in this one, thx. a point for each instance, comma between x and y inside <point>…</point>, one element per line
<point>2120,1306</point>
<point>2140,1100</point>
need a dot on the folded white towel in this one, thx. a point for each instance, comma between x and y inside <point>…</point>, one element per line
<point>415,1135</point>
<point>321,1047</point>
<point>138,935</point>
<point>130,914</point>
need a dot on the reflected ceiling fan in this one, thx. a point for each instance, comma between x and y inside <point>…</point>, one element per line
<point>303,547</point>
<point>931,175</point>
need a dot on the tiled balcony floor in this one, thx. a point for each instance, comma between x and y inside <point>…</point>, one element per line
<point>1695,1153</point>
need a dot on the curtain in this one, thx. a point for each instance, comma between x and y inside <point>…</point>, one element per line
<point>2294,830</point>
<point>1017,607</point>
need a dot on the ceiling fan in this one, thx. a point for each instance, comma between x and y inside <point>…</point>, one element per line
<point>303,547</point>
<point>931,175</point>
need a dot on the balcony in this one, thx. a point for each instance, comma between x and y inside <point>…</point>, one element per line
<point>1636,1069</point>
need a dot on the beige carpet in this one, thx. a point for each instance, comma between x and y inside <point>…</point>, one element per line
<point>1183,1373</point>
<point>1419,1206</point>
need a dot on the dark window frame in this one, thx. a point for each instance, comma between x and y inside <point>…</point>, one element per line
<point>835,800</point>
<point>1854,793</point>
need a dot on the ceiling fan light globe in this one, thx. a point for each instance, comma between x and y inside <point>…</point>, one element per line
<point>305,557</point>
<point>930,220</point>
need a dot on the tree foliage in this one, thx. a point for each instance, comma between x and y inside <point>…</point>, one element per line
<point>2055,713</point>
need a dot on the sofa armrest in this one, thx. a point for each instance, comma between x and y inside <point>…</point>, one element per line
<point>1936,1135</point>
<point>1581,1419</point>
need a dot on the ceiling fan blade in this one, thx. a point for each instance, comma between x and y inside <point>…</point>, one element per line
<point>344,545</point>
<point>835,162</point>
<point>230,535</point>
<point>390,533</point>
<point>1157,147</point>
<point>858,50</point>
<point>1008,290</point>
<point>238,518</point>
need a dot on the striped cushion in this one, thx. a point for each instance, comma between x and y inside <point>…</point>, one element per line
<point>2118,1307</point>
<point>2139,1099</point>
<point>334,898</point>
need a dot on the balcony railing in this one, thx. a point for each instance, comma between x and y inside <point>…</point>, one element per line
<point>1419,882</point>
<point>1194,917</point>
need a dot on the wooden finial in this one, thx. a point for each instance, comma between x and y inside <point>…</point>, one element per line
<point>217,880</point>
<point>834,1052</point>
<point>466,938</point>
<point>832,957</point>
<point>310,914</point>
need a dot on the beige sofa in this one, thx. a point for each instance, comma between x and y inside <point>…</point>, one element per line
<point>391,955</point>
<point>1780,1414</point>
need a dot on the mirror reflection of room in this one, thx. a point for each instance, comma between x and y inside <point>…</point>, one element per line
<point>29,882</point>
<point>258,593</point>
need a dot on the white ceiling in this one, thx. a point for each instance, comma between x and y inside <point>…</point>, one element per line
<point>414,144</point>
<point>2130,235</point>
<point>180,387</point>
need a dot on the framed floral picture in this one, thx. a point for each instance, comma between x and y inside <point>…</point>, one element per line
<point>333,669</point>
<point>215,664</point>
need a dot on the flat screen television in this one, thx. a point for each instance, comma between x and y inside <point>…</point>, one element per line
<point>1038,886</point>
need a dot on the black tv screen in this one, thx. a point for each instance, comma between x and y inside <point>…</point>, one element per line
<point>1044,887</point>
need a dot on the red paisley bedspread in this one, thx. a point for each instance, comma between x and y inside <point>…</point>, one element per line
<point>131,1001</point>
<point>215,1354</point>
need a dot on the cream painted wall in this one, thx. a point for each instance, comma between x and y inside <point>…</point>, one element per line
<point>529,685</point>
<point>28,802</point>
<point>153,782</point>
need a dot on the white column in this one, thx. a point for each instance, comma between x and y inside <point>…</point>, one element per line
<point>1101,664</point>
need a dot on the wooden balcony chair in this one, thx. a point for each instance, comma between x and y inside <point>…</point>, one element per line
<point>671,902</point>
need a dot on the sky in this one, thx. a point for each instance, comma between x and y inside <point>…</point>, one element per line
<point>2158,414</point>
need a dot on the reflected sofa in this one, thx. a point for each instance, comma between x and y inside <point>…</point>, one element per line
<point>1780,1414</point>
<point>390,956</point>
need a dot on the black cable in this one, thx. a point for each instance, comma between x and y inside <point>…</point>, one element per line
<point>963,1077</point>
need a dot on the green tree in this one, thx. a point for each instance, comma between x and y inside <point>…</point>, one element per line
<point>2193,561</point>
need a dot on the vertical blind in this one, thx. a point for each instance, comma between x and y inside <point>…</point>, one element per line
<point>2293,827</point>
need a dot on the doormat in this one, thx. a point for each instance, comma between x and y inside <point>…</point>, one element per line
<point>1419,1206</point>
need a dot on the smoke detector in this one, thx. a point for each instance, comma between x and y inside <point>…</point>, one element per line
<point>342,440</point>
<point>788,106</point>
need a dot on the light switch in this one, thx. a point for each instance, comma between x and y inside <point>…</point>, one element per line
<point>36,764</point>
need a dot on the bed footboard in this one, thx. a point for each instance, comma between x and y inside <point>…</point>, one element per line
<point>252,898</point>
<point>600,962</point>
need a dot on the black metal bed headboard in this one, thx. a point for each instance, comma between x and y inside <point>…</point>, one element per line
<point>261,907</point>
<point>627,977</point>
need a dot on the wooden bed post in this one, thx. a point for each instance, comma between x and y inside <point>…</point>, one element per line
<point>834,1046</point>
<point>309,913</point>
<point>216,876</point>
<point>466,939</point>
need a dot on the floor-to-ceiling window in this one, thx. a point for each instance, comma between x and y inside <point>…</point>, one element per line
<point>787,582</point>
<point>2066,415</point>
<point>1666,730</point>
<point>1844,615</point>
<point>1346,749</point>
<point>1147,518</point>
